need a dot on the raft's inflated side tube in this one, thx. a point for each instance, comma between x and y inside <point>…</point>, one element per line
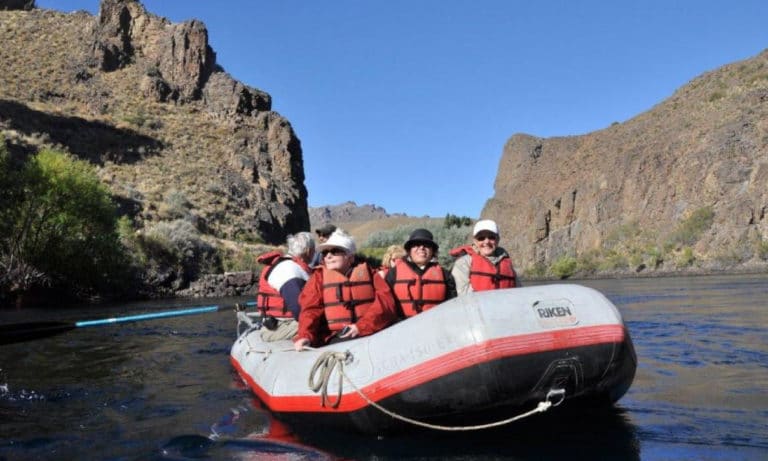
<point>475,359</point>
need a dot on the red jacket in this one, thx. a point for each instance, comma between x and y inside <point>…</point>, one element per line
<point>313,324</point>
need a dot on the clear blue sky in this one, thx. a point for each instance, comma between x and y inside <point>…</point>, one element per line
<point>407,104</point>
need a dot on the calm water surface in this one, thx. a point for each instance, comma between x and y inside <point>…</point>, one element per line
<point>164,390</point>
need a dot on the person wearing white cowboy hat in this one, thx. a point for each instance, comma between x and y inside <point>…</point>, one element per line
<point>342,299</point>
<point>484,265</point>
<point>418,281</point>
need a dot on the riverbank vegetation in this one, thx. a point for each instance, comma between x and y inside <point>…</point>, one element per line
<point>61,235</point>
<point>629,249</point>
<point>58,227</point>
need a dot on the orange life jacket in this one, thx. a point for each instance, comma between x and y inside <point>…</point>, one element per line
<point>418,293</point>
<point>268,299</point>
<point>483,274</point>
<point>346,297</point>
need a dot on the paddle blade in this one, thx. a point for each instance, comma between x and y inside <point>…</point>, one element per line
<point>18,332</point>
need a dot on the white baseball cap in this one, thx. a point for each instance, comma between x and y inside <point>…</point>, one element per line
<point>485,225</point>
<point>339,239</point>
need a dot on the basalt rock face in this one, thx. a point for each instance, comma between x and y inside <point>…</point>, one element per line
<point>17,5</point>
<point>689,176</point>
<point>173,135</point>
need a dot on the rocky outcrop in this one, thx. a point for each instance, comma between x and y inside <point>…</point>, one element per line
<point>180,64</point>
<point>9,5</point>
<point>178,124</point>
<point>229,284</point>
<point>635,186</point>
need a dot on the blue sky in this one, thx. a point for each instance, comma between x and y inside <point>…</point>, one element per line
<point>407,104</point>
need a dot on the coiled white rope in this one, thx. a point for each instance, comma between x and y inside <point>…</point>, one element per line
<point>329,360</point>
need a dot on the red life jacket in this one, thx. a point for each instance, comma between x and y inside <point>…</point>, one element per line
<point>418,293</point>
<point>483,274</point>
<point>268,299</point>
<point>346,297</point>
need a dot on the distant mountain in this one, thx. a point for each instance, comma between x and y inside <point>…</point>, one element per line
<point>347,212</point>
<point>363,220</point>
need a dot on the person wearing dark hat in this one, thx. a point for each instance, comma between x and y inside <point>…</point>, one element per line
<point>323,233</point>
<point>418,281</point>
<point>484,265</point>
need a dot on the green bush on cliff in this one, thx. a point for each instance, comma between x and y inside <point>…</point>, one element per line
<point>564,267</point>
<point>59,229</point>
<point>175,253</point>
<point>690,229</point>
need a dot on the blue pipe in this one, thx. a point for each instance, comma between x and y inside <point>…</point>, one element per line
<point>155,315</point>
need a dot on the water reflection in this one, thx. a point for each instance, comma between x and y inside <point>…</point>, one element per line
<point>576,433</point>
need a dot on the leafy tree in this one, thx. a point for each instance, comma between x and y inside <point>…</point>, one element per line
<point>61,228</point>
<point>451,220</point>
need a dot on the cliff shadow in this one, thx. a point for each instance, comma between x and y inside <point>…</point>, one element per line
<point>95,141</point>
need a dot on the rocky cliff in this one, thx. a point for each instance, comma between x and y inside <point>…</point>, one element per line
<point>172,133</point>
<point>682,185</point>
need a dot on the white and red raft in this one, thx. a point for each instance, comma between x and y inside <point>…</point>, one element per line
<point>474,360</point>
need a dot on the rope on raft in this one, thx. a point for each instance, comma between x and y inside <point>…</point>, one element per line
<point>329,360</point>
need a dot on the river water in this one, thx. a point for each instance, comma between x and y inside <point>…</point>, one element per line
<point>164,389</point>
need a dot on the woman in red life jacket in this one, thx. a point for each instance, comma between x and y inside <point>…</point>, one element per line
<point>342,299</point>
<point>418,281</point>
<point>391,256</point>
<point>281,280</point>
<point>483,265</point>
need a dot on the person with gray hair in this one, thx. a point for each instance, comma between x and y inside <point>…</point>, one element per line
<point>281,280</point>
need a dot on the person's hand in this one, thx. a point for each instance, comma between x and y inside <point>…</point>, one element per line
<point>300,343</point>
<point>352,331</point>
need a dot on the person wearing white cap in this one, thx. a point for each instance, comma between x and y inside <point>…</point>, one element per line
<point>484,265</point>
<point>342,299</point>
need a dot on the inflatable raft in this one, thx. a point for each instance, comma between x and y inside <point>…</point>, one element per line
<point>474,360</point>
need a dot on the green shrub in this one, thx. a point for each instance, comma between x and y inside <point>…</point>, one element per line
<point>175,205</point>
<point>536,270</point>
<point>240,261</point>
<point>452,220</point>
<point>372,255</point>
<point>564,267</point>
<point>690,229</point>
<point>588,262</point>
<point>762,250</point>
<point>178,243</point>
<point>613,260</point>
<point>61,225</point>
<point>685,258</point>
<point>654,257</point>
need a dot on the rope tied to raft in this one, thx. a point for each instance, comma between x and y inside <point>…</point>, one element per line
<point>330,360</point>
<point>325,364</point>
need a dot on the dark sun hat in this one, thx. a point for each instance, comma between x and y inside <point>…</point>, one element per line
<point>326,230</point>
<point>420,236</point>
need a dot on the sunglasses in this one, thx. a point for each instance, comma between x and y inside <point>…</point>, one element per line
<point>482,237</point>
<point>334,252</point>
